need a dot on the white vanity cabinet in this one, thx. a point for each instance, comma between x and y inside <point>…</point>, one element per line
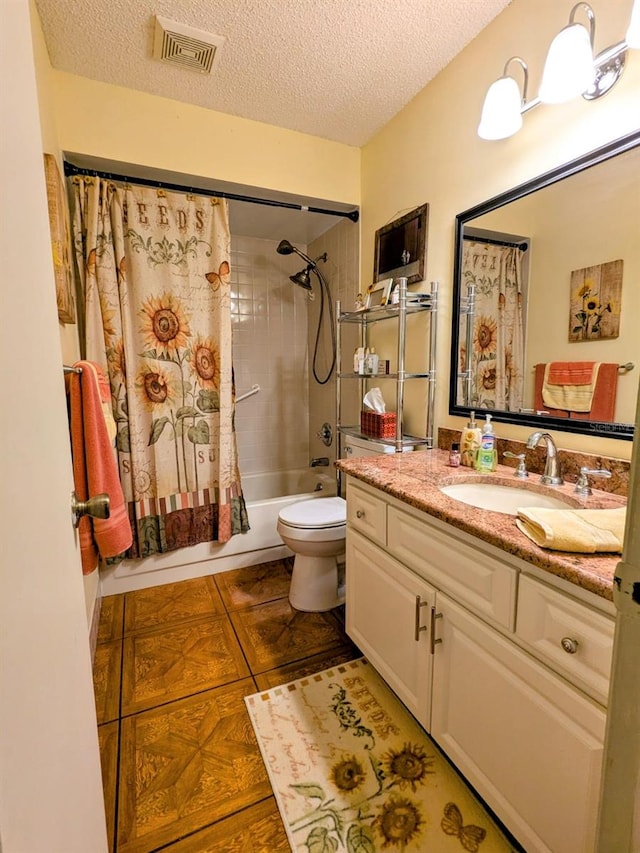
<point>472,647</point>
<point>388,608</point>
<point>526,740</point>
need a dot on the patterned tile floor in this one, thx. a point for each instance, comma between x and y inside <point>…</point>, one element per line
<point>181,768</point>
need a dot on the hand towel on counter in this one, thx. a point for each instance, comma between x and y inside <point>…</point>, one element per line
<point>574,396</point>
<point>95,469</point>
<point>584,531</point>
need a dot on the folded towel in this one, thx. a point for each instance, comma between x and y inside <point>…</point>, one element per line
<point>95,471</point>
<point>105,398</point>
<point>571,373</point>
<point>584,531</point>
<point>575,398</point>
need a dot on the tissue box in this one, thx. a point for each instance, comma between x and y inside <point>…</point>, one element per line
<point>378,425</point>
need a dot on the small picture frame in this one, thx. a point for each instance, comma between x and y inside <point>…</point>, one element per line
<point>401,246</point>
<point>379,292</point>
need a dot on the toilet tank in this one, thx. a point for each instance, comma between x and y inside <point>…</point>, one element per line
<point>353,446</point>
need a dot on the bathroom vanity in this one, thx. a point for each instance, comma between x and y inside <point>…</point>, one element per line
<point>501,650</point>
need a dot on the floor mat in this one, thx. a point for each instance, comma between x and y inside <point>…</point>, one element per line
<point>352,770</point>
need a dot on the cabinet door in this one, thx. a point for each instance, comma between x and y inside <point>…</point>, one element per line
<point>530,743</point>
<point>386,603</point>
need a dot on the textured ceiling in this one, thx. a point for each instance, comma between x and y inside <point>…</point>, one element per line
<point>337,69</point>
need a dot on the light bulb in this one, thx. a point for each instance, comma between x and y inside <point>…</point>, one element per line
<point>633,33</point>
<point>501,116</point>
<point>569,70</point>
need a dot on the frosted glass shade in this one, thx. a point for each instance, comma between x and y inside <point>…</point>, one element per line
<point>633,33</point>
<point>569,70</point>
<point>501,116</point>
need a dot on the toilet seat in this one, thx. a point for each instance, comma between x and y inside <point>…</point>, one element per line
<point>313,514</point>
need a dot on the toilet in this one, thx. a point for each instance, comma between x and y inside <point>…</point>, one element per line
<point>315,530</point>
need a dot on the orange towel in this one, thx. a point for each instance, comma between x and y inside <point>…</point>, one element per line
<point>604,397</point>
<point>95,470</point>
<point>570,372</point>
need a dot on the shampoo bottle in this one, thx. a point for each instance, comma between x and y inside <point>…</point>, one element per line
<point>487,457</point>
<point>470,442</point>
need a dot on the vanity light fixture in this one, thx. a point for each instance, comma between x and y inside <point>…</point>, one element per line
<point>570,70</point>
<point>633,33</point>
<point>502,109</point>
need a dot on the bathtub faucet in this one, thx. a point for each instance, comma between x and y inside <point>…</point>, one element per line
<point>319,462</point>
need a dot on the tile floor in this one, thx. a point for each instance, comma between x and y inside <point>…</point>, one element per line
<point>181,768</point>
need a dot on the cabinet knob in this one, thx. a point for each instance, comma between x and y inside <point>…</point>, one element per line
<point>360,513</point>
<point>569,645</point>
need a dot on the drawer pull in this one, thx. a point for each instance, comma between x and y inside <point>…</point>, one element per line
<point>434,642</point>
<point>418,627</point>
<point>360,513</point>
<point>569,645</point>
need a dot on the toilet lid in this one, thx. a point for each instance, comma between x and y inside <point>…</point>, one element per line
<point>320,512</point>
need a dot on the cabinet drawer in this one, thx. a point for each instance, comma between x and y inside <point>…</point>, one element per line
<point>367,513</point>
<point>474,578</point>
<point>546,618</point>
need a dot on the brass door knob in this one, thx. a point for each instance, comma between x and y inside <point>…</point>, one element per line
<point>97,507</point>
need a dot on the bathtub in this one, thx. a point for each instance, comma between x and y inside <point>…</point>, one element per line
<point>265,495</point>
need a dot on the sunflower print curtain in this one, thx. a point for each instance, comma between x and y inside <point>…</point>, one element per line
<point>497,356</point>
<point>154,272</point>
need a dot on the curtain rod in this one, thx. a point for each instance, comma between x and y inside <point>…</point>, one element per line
<point>495,242</point>
<point>70,170</point>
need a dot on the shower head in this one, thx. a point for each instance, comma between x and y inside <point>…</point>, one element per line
<point>302,278</point>
<point>285,248</point>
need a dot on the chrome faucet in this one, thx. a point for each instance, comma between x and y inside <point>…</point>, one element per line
<point>551,476</point>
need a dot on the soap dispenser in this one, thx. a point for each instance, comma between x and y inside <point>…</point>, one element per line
<point>470,442</point>
<point>487,456</point>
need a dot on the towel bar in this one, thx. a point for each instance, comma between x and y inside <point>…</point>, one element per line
<point>624,368</point>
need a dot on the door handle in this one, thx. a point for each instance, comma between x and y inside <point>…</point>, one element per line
<point>97,507</point>
<point>434,642</point>
<point>418,628</point>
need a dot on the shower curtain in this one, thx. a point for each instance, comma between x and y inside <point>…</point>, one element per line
<point>154,273</point>
<point>497,356</point>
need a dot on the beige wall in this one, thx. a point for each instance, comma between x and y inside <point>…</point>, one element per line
<point>119,124</point>
<point>431,153</point>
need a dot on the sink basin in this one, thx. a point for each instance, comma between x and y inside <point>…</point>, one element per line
<point>505,499</point>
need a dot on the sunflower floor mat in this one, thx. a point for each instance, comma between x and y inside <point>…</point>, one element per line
<point>353,771</point>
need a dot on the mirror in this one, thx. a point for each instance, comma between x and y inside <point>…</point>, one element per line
<point>547,287</point>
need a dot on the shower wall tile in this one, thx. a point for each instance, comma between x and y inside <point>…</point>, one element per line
<point>341,270</point>
<point>269,317</point>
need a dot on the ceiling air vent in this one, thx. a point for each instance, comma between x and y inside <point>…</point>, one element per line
<point>186,46</point>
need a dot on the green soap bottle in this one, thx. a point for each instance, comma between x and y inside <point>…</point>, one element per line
<point>487,458</point>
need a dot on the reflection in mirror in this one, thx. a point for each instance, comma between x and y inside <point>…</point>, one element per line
<point>547,285</point>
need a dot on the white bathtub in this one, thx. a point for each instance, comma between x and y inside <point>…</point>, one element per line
<point>265,495</point>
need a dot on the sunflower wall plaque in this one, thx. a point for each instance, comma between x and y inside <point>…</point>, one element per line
<point>60,240</point>
<point>596,294</point>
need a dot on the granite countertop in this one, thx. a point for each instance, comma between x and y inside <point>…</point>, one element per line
<point>415,478</point>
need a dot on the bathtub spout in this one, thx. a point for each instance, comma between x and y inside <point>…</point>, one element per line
<point>319,462</point>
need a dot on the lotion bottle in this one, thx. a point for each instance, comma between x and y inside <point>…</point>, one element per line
<point>487,457</point>
<point>470,442</point>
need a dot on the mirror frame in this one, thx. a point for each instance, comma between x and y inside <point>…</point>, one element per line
<point>586,161</point>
